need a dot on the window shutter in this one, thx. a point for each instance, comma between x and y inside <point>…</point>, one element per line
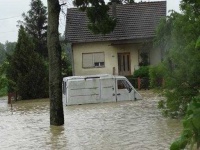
<point>99,57</point>
<point>87,60</point>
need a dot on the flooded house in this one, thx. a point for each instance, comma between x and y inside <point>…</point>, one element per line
<point>118,52</point>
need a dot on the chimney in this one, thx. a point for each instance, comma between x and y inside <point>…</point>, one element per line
<point>114,9</point>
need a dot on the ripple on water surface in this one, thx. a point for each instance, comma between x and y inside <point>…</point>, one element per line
<point>134,125</point>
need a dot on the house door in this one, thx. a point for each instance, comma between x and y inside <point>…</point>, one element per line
<point>124,64</point>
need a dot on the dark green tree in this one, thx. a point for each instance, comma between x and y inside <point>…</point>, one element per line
<point>25,72</point>
<point>35,23</point>
<point>2,53</point>
<point>10,47</point>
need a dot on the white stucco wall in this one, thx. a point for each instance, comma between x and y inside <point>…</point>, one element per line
<point>110,52</point>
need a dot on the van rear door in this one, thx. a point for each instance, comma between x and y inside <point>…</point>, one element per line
<point>64,92</point>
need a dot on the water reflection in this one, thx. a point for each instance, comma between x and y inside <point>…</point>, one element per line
<point>110,126</point>
<point>57,138</point>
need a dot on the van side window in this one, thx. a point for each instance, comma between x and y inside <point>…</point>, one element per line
<point>122,84</point>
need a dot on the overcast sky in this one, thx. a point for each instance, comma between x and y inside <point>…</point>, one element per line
<point>11,11</point>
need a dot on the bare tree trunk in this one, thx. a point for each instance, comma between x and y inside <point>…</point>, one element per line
<point>55,78</point>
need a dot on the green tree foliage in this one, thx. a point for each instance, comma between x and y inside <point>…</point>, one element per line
<point>2,53</point>
<point>156,75</point>
<point>97,13</point>
<point>65,61</point>
<point>35,22</point>
<point>178,35</point>
<point>193,5</point>
<point>191,128</point>
<point>3,79</point>
<point>25,72</point>
<point>121,1</point>
<point>5,49</point>
<point>10,47</point>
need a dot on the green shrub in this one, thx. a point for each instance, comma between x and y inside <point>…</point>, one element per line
<point>142,72</point>
<point>156,74</point>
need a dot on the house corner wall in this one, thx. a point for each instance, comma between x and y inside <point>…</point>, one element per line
<point>155,56</point>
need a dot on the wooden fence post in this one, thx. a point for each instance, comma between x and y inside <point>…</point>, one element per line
<point>12,96</point>
<point>139,83</point>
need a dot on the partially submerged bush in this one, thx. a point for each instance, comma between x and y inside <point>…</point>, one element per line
<point>156,74</point>
<point>142,72</point>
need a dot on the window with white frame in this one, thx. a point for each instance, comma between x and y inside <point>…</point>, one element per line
<point>92,60</point>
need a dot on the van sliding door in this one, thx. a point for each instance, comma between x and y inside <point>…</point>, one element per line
<point>108,90</point>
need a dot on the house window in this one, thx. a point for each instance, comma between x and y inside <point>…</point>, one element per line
<point>92,60</point>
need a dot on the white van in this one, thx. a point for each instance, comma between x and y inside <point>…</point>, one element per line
<point>97,89</point>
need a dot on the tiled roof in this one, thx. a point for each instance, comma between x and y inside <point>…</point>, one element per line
<point>134,21</point>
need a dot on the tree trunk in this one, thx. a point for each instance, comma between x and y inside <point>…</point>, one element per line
<point>55,78</point>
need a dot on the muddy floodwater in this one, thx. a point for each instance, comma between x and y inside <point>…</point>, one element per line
<point>131,125</point>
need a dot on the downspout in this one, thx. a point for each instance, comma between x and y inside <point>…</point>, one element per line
<point>116,88</point>
<point>72,56</point>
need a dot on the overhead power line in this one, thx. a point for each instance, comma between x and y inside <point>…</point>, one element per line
<point>9,17</point>
<point>7,32</point>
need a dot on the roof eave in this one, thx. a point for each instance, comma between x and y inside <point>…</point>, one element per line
<point>120,40</point>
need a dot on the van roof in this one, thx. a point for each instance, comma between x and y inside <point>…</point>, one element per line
<point>101,76</point>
